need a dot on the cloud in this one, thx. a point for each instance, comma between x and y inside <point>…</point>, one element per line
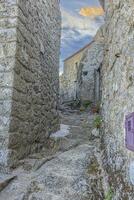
<point>77,31</point>
<point>91,11</point>
<point>76,27</point>
<point>83,25</point>
<point>73,5</point>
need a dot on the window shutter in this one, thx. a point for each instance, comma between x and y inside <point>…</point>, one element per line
<point>129,127</point>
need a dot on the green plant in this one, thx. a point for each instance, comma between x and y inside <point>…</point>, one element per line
<point>97,122</point>
<point>82,108</point>
<point>93,167</point>
<point>86,103</point>
<point>109,194</point>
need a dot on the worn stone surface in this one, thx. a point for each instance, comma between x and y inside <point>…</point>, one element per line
<point>29,61</point>
<point>73,172</point>
<point>118,93</point>
<point>88,86</point>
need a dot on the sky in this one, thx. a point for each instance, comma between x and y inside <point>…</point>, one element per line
<point>77,30</point>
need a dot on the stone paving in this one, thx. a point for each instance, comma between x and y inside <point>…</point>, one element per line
<point>72,171</point>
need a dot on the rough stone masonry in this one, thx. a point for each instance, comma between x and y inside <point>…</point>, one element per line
<point>90,64</point>
<point>118,94</point>
<point>29,61</point>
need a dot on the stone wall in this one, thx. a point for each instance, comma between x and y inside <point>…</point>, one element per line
<point>118,94</point>
<point>89,65</point>
<point>102,2</point>
<point>62,88</point>
<point>29,62</point>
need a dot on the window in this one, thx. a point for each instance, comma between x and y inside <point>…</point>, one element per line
<point>129,124</point>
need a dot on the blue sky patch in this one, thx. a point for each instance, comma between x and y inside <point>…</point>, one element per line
<point>77,30</point>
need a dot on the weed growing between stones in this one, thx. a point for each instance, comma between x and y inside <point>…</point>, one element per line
<point>97,122</point>
<point>86,103</point>
<point>95,180</point>
<point>94,167</point>
<point>109,195</point>
<point>82,108</point>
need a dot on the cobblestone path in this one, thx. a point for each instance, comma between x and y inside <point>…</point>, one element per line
<point>70,171</point>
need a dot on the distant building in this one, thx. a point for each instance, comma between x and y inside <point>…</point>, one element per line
<point>69,78</point>
<point>89,70</point>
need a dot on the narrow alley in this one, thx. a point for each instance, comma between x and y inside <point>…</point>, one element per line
<point>66,100</point>
<point>71,171</point>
